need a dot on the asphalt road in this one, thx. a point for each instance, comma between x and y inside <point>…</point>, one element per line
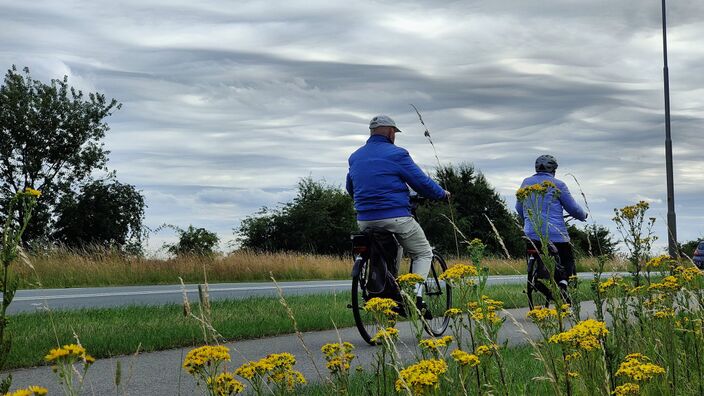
<point>160,373</point>
<point>102,297</point>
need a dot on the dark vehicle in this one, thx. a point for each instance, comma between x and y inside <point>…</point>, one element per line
<point>698,255</point>
<point>377,257</point>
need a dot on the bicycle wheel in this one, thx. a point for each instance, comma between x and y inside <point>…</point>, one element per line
<point>437,294</point>
<point>363,320</point>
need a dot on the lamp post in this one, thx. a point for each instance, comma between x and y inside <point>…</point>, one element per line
<point>671,218</point>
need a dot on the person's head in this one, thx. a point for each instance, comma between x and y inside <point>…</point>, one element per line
<point>546,163</point>
<point>383,125</point>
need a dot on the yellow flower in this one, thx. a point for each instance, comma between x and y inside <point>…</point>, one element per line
<point>631,212</point>
<point>32,390</point>
<point>638,368</point>
<point>434,344</point>
<point>382,306</point>
<point>338,356</point>
<point>225,384</point>
<point>573,374</point>
<point>453,312</point>
<point>69,354</point>
<point>627,389</point>
<point>687,274</point>
<point>611,283</point>
<point>486,350</point>
<point>458,272</point>
<point>540,189</point>
<point>668,284</point>
<point>423,377</point>
<point>465,359</point>
<point>541,315</point>
<point>410,279</point>
<point>198,358</point>
<point>32,192</point>
<point>658,262</point>
<point>584,335</point>
<point>664,314</point>
<point>390,333</point>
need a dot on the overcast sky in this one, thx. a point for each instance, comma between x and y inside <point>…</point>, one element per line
<point>226,104</point>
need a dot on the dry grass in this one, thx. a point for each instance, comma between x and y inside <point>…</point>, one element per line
<point>64,268</point>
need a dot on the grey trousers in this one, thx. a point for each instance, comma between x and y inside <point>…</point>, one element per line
<point>411,236</point>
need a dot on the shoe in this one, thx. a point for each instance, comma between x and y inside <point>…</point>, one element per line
<point>423,308</point>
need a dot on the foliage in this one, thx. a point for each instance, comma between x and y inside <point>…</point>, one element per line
<point>318,220</point>
<point>50,140</point>
<point>473,201</point>
<point>194,242</point>
<point>593,240</point>
<point>104,214</point>
<point>689,246</point>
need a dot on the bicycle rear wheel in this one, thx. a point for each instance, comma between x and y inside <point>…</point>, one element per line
<point>437,294</point>
<point>363,320</point>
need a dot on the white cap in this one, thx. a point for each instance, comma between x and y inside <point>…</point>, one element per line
<point>382,120</point>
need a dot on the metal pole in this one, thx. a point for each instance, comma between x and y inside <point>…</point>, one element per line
<point>671,218</point>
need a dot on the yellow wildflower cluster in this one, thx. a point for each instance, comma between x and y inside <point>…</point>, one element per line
<point>410,279</point>
<point>541,314</point>
<point>611,283</point>
<point>632,211</point>
<point>486,350</point>
<point>659,262</point>
<point>573,356</point>
<point>433,344</point>
<point>486,315</point>
<point>205,356</point>
<point>277,367</point>
<point>31,391</point>
<point>668,284</point>
<point>32,192</point>
<point>465,359</point>
<point>664,314</point>
<point>69,354</point>
<point>389,333</point>
<point>459,272</point>
<point>637,367</point>
<point>339,356</point>
<point>453,312</point>
<point>381,305</point>
<point>492,305</point>
<point>536,189</point>
<point>423,377</point>
<point>225,384</point>
<point>584,335</point>
<point>687,274</point>
<point>626,389</point>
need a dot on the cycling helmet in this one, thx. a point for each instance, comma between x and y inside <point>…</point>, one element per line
<point>546,163</point>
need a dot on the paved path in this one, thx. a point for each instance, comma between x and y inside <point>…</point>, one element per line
<point>160,373</point>
<point>101,297</point>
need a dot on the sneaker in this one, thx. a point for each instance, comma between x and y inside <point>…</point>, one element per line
<point>423,308</point>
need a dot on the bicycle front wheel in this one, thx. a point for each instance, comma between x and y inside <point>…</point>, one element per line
<point>438,296</point>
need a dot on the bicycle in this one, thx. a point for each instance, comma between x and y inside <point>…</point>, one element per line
<point>369,248</point>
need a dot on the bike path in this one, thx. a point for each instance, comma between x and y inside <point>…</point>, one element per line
<point>160,373</point>
<point>106,297</point>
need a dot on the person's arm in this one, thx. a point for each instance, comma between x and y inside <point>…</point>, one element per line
<point>570,205</point>
<point>349,186</point>
<point>417,179</point>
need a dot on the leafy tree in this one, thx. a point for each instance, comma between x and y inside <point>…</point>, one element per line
<point>318,220</point>
<point>594,239</point>
<point>50,140</point>
<point>104,213</point>
<point>474,202</point>
<point>194,242</point>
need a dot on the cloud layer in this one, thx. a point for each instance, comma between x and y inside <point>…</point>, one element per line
<point>227,104</point>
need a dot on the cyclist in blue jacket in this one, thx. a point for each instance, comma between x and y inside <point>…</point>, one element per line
<point>378,180</point>
<point>553,222</point>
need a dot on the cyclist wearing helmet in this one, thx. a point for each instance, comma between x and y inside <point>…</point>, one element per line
<point>553,221</point>
<point>378,180</point>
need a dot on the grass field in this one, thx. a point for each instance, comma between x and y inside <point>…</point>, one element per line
<point>64,268</point>
<point>117,331</point>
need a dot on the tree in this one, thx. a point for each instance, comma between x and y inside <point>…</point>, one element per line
<point>689,247</point>
<point>50,140</point>
<point>319,220</point>
<point>104,214</point>
<point>474,203</point>
<point>194,242</point>
<point>594,239</point>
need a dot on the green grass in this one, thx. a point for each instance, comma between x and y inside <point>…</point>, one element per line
<point>117,331</point>
<point>521,369</point>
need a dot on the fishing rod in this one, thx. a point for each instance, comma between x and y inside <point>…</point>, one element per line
<point>449,199</point>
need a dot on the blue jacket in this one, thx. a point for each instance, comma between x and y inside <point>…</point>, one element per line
<point>556,222</point>
<point>378,180</point>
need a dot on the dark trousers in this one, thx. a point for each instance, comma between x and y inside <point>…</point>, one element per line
<point>565,265</point>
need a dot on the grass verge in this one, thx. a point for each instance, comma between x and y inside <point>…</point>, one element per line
<point>117,331</point>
